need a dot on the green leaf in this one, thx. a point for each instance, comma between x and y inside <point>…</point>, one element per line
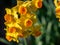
<point>4,41</point>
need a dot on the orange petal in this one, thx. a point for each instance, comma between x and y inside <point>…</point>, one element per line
<point>9,38</point>
<point>22,10</point>
<point>12,29</point>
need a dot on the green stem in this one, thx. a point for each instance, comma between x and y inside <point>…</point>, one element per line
<point>25,42</point>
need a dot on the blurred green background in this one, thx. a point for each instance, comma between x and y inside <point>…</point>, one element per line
<point>50,25</point>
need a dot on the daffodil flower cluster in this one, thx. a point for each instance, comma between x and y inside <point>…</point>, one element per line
<point>21,20</point>
<point>57,5</point>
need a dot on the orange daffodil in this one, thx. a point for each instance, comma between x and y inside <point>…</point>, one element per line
<point>20,20</point>
<point>57,4</point>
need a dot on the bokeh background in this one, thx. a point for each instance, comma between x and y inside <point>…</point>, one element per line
<point>46,15</point>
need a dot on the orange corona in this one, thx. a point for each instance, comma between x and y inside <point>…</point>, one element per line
<point>22,10</point>
<point>28,23</point>
<point>12,29</point>
<point>8,18</point>
<point>38,4</point>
